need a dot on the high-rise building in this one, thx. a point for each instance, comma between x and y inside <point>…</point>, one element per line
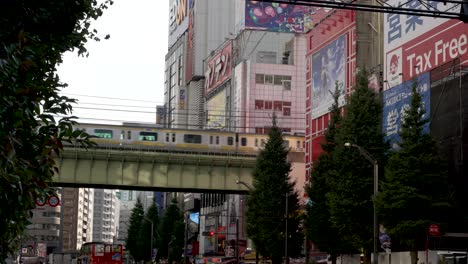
<point>105,215</point>
<point>77,217</point>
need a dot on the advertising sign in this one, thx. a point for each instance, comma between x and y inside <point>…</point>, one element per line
<point>282,17</point>
<point>415,44</point>
<point>216,111</point>
<point>178,18</point>
<point>328,68</point>
<point>218,68</point>
<point>182,98</point>
<point>397,100</point>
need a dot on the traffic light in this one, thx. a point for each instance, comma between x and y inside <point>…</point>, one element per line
<point>208,233</point>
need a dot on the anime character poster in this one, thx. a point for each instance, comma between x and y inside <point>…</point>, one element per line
<point>280,17</point>
<point>328,68</point>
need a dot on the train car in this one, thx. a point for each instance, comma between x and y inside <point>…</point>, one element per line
<point>153,136</point>
<point>100,253</point>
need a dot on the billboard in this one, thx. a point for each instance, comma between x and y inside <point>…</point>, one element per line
<point>280,17</point>
<point>216,111</point>
<point>328,67</point>
<point>397,100</point>
<point>218,68</point>
<point>415,44</point>
<point>178,18</point>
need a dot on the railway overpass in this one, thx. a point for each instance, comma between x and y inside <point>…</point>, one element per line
<point>131,167</point>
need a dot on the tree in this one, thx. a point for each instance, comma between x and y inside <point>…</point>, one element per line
<point>318,227</point>
<point>133,235</point>
<point>350,200</point>
<point>414,191</point>
<point>171,240</point>
<point>34,118</point>
<point>145,235</point>
<point>266,213</point>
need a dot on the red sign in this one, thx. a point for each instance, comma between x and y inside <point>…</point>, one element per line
<point>428,51</point>
<point>434,230</point>
<point>218,68</point>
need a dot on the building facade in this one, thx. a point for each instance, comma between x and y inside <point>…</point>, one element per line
<point>77,217</point>
<point>105,215</point>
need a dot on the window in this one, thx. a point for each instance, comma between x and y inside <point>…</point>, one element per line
<point>266,57</point>
<point>298,144</point>
<point>148,136</point>
<point>194,139</point>
<point>287,85</point>
<point>103,133</point>
<point>268,79</point>
<point>243,142</point>
<point>129,135</point>
<point>259,104</point>
<point>256,142</point>
<point>286,143</point>
<point>268,105</point>
<point>230,141</point>
<point>278,105</point>
<point>211,139</point>
<point>167,137</point>
<point>286,111</point>
<point>217,140</point>
<point>263,142</point>
<point>259,78</point>
<point>173,137</point>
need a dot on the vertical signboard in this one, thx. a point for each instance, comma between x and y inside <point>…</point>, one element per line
<point>218,68</point>
<point>178,18</point>
<point>182,97</point>
<point>328,69</point>
<point>414,45</point>
<point>397,101</point>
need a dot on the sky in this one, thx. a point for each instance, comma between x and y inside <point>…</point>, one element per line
<point>124,73</point>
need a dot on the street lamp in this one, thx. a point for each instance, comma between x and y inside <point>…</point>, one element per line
<point>369,157</point>
<point>151,241</point>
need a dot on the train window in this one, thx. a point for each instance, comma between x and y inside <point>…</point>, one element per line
<point>173,137</point>
<point>217,140</point>
<point>286,143</point>
<point>129,135</point>
<point>263,142</point>
<point>298,144</point>
<point>148,136</point>
<point>167,137</point>
<point>122,135</point>
<point>243,142</point>
<point>190,138</point>
<point>230,141</point>
<point>256,142</point>
<point>303,144</point>
<point>103,133</point>
<point>211,139</point>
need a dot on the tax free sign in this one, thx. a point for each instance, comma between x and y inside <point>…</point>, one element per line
<point>414,44</point>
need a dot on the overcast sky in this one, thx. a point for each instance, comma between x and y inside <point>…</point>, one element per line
<point>129,66</point>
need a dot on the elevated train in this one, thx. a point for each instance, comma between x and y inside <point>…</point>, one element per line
<point>152,136</point>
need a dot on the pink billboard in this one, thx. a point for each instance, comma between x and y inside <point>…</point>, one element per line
<point>414,45</point>
<point>218,68</point>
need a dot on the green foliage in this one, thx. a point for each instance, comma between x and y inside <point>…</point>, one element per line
<point>414,191</point>
<point>145,235</point>
<point>133,233</point>
<point>266,214</point>
<point>171,240</point>
<point>34,118</point>
<point>350,197</point>
<point>318,227</point>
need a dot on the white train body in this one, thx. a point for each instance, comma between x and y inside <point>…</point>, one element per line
<point>151,136</point>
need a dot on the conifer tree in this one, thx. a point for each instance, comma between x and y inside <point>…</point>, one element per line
<point>414,192</point>
<point>318,227</point>
<point>133,235</point>
<point>266,212</point>
<point>351,198</point>
<point>171,242</point>
<point>145,232</point>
